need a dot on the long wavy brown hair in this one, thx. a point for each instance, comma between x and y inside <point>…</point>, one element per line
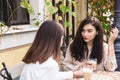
<point>79,47</point>
<point>46,43</point>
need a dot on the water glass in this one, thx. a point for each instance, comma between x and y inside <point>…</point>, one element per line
<point>92,62</point>
<point>87,72</point>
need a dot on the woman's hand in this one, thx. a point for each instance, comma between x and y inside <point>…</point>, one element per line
<point>78,73</point>
<point>113,34</point>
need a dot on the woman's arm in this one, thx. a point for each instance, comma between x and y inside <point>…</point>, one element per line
<point>111,58</point>
<point>68,61</point>
<point>113,36</point>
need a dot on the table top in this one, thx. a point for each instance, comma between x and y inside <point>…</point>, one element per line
<point>102,75</point>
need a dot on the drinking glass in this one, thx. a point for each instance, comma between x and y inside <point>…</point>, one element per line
<point>92,62</point>
<point>87,70</point>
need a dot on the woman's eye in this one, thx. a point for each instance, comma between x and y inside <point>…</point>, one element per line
<point>89,30</point>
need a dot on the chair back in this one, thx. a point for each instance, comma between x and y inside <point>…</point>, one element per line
<point>4,73</point>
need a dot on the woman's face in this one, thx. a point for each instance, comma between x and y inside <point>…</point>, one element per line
<point>89,32</point>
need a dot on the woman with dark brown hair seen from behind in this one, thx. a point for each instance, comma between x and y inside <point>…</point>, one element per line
<point>42,58</point>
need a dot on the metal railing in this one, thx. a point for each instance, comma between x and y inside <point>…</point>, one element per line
<point>68,33</point>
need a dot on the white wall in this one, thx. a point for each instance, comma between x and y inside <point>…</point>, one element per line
<point>26,35</point>
<point>16,38</point>
<point>39,7</point>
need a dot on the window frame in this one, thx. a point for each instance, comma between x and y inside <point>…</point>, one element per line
<point>19,15</point>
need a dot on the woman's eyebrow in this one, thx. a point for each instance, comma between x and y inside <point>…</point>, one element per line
<point>89,29</point>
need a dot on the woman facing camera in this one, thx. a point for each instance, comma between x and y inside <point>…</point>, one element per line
<point>89,43</point>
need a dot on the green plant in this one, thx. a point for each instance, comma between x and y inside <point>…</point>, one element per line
<point>60,10</point>
<point>3,30</point>
<point>63,9</point>
<point>104,13</point>
<point>24,4</point>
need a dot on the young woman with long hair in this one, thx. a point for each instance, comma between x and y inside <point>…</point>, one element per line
<point>89,43</point>
<point>43,57</point>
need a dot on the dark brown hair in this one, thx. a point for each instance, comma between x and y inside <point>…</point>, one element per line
<point>79,47</point>
<point>46,43</point>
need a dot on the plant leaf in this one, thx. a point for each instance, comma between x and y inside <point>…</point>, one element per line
<point>67,23</point>
<point>1,24</point>
<point>64,9</point>
<point>59,17</point>
<point>74,14</point>
<point>48,3</point>
<point>25,4</point>
<point>74,4</point>
<point>52,9</point>
<point>33,19</point>
<point>37,23</point>
<point>39,13</point>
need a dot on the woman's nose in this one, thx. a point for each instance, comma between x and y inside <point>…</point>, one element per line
<point>85,33</point>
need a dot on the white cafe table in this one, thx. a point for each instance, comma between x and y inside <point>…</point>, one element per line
<point>102,75</point>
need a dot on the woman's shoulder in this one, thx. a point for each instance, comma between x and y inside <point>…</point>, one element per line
<point>39,69</point>
<point>50,63</point>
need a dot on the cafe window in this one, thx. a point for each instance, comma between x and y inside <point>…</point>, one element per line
<point>12,14</point>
